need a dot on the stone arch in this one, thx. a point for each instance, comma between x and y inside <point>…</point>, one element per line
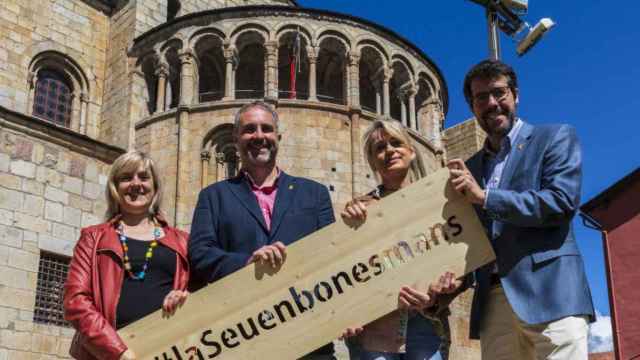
<point>208,47</point>
<point>424,93</point>
<point>50,46</point>
<point>367,41</point>
<point>330,32</point>
<point>397,58</point>
<point>174,43</point>
<point>169,58</point>
<point>59,90</point>
<point>219,156</point>
<point>399,84</point>
<point>371,73</point>
<point>250,77</point>
<point>429,112</point>
<point>147,64</point>
<point>283,29</point>
<point>209,31</point>
<point>263,32</point>
<point>293,62</point>
<point>331,80</point>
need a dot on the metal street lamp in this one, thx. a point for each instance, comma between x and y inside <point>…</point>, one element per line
<point>506,16</point>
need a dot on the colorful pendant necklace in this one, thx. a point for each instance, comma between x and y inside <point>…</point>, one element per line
<point>147,257</point>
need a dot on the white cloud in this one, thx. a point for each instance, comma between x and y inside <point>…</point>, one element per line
<point>600,334</point>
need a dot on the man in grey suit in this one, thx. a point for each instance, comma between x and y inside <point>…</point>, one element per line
<point>533,302</point>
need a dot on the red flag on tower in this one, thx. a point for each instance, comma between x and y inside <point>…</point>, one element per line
<point>294,64</point>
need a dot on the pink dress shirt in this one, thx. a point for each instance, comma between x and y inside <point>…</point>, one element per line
<point>266,196</point>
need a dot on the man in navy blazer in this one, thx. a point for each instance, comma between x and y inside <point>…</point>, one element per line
<point>254,216</point>
<point>533,302</point>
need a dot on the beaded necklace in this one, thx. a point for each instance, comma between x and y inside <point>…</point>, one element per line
<point>147,257</point>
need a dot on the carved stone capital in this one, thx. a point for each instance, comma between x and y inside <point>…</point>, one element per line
<point>411,90</point>
<point>162,70</point>
<point>230,53</point>
<point>205,155</point>
<point>271,47</point>
<point>186,56</point>
<point>220,157</point>
<point>354,59</point>
<point>312,53</point>
<point>387,74</point>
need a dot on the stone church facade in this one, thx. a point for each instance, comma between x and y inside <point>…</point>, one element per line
<point>81,81</point>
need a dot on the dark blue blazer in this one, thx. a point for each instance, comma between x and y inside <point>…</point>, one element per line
<point>528,220</point>
<point>228,225</point>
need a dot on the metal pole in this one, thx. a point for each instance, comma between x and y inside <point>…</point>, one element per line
<point>494,39</point>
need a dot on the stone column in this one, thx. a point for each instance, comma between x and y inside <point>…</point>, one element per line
<point>386,77</point>
<point>84,105</point>
<point>403,107</point>
<point>430,120</point>
<point>377,84</point>
<point>74,121</point>
<point>162,72</point>
<point>219,173</point>
<point>354,80</point>
<point>230,59</point>
<point>271,65</point>
<point>205,157</point>
<point>31,83</point>
<point>186,77</point>
<point>411,94</point>
<point>312,54</point>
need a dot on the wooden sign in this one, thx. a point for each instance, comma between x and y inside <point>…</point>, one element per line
<point>332,279</point>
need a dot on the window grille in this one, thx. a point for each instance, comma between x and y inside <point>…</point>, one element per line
<point>52,273</point>
<point>53,97</point>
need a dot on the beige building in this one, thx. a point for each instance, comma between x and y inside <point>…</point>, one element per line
<point>81,81</point>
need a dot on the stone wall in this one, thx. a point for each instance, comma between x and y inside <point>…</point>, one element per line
<point>122,93</point>
<point>70,27</point>
<point>51,184</point>
<point>464,139</point>
<point>191,6</point>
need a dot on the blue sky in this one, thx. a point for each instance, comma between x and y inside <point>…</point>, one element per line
<point>584,72</point>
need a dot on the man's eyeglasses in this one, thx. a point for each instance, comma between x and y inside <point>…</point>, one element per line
<point>498,93</point>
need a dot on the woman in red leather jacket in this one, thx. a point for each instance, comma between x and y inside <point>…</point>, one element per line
<point>127,267</point>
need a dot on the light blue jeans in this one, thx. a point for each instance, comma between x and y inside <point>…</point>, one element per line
<point>422,343</point>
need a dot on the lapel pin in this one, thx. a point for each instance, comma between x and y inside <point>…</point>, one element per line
<point>290,187</point>
<point>520,146</point>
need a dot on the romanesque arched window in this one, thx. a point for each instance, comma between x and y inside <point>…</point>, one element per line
<point>59,90</point>
<point>398,87</point>
<point>219,156</point>
<point>172,94</point>
<point>211,68</point>
<point>371,77</point>
<point>250,74</point>
<point>53,96</point>
<point>424,94</point>
<point>293,64</point>
<point>331,77</point>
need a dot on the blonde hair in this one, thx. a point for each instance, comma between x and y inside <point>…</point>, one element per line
<point>395,130</point>
<point>127,163</point>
